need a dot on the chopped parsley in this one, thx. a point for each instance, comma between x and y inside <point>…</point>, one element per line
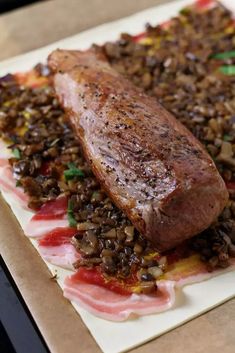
<point>73,172</point>
<point>16,153</point>
<point>70,214</point>
<point>18,183</point>
<point>227,69</point>
<point>227,137</point>
<point>225,55</point>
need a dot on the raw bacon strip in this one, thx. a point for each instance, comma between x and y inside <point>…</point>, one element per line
<point>55,247</point>
<point>8,184</point>
<point>62,255</point>
<point>109,304</point>
<point>138,37</point>
<point>52,215</point>
<point>112,306</point>
<point>55,209</point>
<point>3,162</point>
<point>137,150</point>
<point>230,185</point>
<point>191,270</point>
<point>5,153</point>
<point>36,229</point>
<point>88,288</point>
<point>58,236</point>
<point>96,277</point>
<point>205,4</point>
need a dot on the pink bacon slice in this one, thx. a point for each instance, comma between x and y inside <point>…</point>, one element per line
<point>37,229</point>
<point>51,215</point>
<point>8,184</point>
<point>63,255</point>
<point>54,209</point>
<point>56,248</point>
<point>116,307</point>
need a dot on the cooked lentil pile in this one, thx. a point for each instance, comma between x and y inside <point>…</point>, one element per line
<point>189,66</point>
<point>179,66</point>
<point>48,162</point>
<point>176,64</point>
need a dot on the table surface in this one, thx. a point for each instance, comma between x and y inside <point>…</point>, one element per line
<point>43,23</point>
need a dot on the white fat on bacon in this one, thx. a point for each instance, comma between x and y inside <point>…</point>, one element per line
<point>38,228</point>
<point>5,153</point>
<point>8,184</point>
<point>116,307</point>
<point>62,255</point>
<point>203,276</point>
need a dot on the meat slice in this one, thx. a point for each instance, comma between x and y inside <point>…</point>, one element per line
<point>8,184</point>
<point>56,248</point>
<point>151,166</point>
<point>62,255</point>
<point>52,215</point>
<point>116,307</point>
<point>113,306</point>
<point>53,209</point>
<point>39,228</point>
<point>58,236</point>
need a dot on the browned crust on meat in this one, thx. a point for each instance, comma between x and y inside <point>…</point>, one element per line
<point>151,166</point>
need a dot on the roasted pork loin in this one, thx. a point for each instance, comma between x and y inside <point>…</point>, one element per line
<point>150,165</point>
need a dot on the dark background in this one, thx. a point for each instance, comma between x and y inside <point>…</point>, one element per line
<point>7,5</point>
<point>18,331</point>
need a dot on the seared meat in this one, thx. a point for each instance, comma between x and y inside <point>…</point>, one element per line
<point>151,166</point>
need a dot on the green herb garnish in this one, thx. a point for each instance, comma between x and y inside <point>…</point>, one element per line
<point>73,172</point>
<point>18,183</point>
<point>185,11</point>
<point>16,153</point>
<point>225,55</point>
<point>70,214</point>
<point>71,165</point>
<point>227,137</point>
<point>227,69</point>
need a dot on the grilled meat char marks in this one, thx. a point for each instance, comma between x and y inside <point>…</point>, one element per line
<point>151,166</point>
